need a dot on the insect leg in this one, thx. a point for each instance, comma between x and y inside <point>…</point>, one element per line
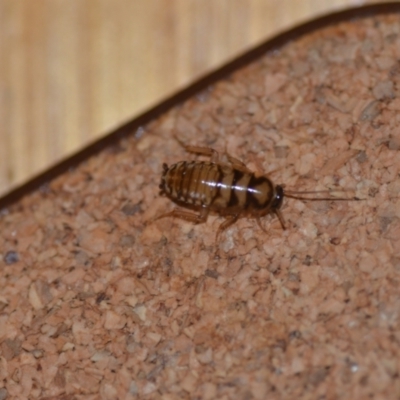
<point>280,217</point>
<point>227,223</point>
<point>187,215</point>
<point>237,163</point>
<point>205,151</point>
<point>278,213</point>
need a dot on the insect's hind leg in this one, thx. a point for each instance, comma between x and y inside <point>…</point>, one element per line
<point>205,151</point>
<point>186,215</point>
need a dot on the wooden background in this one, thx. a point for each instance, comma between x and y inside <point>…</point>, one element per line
<point>72,70</point>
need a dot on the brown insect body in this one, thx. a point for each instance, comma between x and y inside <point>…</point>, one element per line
<point>230,189</point>
<point>221,188</point>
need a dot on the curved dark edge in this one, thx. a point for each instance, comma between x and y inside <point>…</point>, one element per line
<point>132,126</point>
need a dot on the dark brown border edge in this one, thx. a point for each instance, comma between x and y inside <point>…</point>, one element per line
<point>132,126</point>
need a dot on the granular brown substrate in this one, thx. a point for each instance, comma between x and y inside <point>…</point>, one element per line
<point>98,302</point>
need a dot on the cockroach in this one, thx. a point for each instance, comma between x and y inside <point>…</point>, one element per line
<point>229,189</point>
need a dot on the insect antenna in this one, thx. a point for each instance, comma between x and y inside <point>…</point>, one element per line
<point>300,195</point>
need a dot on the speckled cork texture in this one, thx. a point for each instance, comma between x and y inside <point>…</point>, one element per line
<point>99,302</point>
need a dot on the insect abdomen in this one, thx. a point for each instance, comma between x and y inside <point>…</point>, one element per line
<point>193,183</point>
<point>219,187</point>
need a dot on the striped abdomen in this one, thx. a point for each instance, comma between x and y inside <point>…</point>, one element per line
<point>219,187</point>
<point>193,183</point>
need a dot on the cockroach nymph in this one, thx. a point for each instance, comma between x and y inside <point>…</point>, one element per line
<point>229,189</point>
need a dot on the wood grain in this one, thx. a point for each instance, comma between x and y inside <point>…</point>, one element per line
<point>71,70</point>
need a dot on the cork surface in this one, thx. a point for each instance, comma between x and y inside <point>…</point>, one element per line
<point>97,301</point>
